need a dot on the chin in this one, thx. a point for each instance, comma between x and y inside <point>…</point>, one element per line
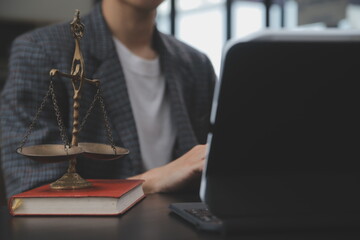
<point>143,4</point>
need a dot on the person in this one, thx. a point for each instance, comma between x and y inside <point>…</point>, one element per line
<point>157,92</point>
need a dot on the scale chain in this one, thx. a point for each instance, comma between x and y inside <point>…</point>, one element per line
<point>98,96</point>
<point>106,120</point>
<point>35,119</point>
<point>92,105</point>
<point>58,117</point>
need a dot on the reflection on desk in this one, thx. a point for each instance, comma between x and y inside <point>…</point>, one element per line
<point>150,219</point>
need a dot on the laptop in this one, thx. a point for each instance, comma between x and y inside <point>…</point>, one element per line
<point>283,150</point>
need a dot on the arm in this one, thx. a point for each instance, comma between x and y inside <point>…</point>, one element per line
<point>185,170</point>
<point>176,174</point>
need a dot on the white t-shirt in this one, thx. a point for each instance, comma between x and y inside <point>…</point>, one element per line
<point>150,105</point>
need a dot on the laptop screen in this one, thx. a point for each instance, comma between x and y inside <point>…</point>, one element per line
<point>286,103</point>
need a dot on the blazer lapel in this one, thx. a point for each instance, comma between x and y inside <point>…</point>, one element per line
<point>114,90</point>
<point>185,135</point>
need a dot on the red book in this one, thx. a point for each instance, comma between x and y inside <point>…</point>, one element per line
<point>105,197</point>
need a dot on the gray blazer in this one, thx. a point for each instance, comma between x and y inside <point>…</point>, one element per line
<point>189,82</point>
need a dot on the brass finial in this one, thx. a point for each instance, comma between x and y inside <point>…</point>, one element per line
<point>77,27</point>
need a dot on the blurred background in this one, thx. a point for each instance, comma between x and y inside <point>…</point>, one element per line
<point>204,24</point>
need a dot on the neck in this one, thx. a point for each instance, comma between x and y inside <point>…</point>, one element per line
<point>134,27</point>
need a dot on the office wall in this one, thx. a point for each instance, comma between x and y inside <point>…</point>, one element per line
<point>42,10</point>
<point>19,16</point>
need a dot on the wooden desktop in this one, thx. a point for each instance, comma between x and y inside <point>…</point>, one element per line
<point>149,219</point>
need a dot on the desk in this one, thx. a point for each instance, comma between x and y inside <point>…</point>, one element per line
<point>149,219</point>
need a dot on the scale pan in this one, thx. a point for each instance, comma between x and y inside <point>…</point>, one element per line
<point>99,151</point>
<point>49,153</point>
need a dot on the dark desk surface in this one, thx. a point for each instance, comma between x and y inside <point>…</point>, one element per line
<point>149,219</point>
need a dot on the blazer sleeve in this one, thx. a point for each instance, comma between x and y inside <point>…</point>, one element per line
<point>26,85</point>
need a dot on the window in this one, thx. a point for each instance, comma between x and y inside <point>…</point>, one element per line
<point>163,20</point>
<point>206,24</point>
<point>201,24</point>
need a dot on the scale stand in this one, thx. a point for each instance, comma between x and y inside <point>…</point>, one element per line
<point>51,153</point>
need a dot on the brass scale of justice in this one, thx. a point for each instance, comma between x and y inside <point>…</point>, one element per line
<point>51,153</point>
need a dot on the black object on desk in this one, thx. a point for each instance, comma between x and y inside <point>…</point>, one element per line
<point>198,214</point>
<point>283,149</point>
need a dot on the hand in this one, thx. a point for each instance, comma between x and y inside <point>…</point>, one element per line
<point>176,174</point>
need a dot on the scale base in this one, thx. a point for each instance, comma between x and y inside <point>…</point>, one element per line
<point>70,181</point>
